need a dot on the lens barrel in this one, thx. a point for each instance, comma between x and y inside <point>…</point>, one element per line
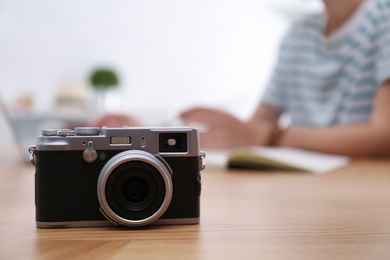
<point>134,188</point>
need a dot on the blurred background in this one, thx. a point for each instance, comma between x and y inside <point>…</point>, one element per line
<point>165,56</point>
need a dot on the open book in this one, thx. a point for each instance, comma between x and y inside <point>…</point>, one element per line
<point>283,158</point>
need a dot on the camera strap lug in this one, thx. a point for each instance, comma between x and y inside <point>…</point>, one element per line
<point>31,151</point>
<point>202,161</point>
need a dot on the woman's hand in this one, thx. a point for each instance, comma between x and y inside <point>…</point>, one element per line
<point>224,130</point>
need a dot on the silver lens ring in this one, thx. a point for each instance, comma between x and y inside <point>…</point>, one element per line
<point>129,156</point>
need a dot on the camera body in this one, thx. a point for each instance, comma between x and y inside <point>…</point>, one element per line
<point>90,177</point>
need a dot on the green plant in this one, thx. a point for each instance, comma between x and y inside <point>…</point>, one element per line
<point>104,78</point>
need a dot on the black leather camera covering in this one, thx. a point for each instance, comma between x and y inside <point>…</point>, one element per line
<point>66,186</point>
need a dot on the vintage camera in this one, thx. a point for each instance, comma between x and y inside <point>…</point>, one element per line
<point>90,177</point>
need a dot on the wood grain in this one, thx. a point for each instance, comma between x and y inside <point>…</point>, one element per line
<point>244,215</point>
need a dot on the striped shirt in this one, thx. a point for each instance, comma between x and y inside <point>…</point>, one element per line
<point>322,81</point>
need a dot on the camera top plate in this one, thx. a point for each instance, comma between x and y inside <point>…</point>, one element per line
<point>125,138</point>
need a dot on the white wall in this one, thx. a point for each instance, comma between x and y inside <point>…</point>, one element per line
<point>171,54</point>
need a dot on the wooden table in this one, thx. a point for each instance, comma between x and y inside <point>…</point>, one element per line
<point>245,215</point>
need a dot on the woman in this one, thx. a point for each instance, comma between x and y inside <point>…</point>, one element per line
<point>332,78</point>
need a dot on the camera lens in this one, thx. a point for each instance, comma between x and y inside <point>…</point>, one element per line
<point>134,188</point>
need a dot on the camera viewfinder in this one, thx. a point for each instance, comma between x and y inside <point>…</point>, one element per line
<point>173,142</point>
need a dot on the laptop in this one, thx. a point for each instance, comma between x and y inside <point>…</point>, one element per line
<point>21,143</point>
<point>25,127</point>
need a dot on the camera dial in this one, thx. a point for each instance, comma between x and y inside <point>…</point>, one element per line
<point>87,131</point>
<point>49,132</point>
<point>65,132</point>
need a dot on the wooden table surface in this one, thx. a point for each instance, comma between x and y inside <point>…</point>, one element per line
<point>244,215</point>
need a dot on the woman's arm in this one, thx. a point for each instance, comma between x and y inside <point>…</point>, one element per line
<point>226,131</point>
<point>371,138</point>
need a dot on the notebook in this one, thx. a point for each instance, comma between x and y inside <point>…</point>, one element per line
<point>276,158</point>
